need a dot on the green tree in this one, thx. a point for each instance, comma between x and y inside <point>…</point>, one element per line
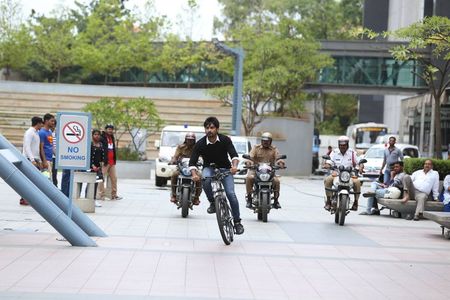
<point>146,41</point>
<point>431,33</point>
<point>107,111</point>
<point>53,38</point>
<point>15,39</point>
<point>133,116</point>
<point>103,47</point>
<point>428,43</point>
<point>340,112</point>
<point>141,119</point>
<point>279,59</point>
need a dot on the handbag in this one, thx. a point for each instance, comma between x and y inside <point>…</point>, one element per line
<point>381,178</point>
<point>99,176</point>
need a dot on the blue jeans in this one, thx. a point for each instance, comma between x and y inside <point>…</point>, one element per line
<point>65,182</point>
<point>379,193</point>
<point>387,176</point>
<point>228,184</point>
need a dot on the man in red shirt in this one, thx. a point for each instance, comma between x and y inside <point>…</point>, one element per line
<point>109,165</point>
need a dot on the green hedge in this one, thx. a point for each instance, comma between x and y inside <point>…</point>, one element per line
<point>127,154</point>
<point>440,165</point>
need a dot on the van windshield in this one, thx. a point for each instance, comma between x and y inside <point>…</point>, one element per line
<point>175,138</point>
<point>241,147</point>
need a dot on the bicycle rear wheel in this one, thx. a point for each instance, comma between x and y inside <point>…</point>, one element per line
<point>224,219</point>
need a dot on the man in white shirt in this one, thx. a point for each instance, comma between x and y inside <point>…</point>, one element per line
<point>346,157</point>
<point>31,145</point>
<point>419,185</point>
<point>31,142</point>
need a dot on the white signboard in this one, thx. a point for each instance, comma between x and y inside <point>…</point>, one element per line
<point>73,141</point>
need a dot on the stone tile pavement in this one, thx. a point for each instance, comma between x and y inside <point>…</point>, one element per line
<point>151,252</point>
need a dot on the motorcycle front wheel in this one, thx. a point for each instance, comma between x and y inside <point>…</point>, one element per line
<point>343,203</point>
<point>185,193</point>
<point>336,213</point>
<point>265,206</point>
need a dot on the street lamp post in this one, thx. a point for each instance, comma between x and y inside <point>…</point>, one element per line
<point>238,54</point>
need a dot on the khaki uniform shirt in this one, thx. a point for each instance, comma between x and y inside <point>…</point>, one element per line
<point>183,151</point>
<point>260,154</point>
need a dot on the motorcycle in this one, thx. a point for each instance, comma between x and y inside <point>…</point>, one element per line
<point>186,188</point>
<point>262,193</point>
<point>341,190</point>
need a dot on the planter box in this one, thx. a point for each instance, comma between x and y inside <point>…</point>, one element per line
<point>134,169</point>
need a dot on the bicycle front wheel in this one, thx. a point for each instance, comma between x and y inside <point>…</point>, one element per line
<point>224,219</point>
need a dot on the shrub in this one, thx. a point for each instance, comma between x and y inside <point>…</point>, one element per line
<point>440,165</point>
<point>127,154</point>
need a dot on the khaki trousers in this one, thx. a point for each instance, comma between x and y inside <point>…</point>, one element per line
<point>328,181</point>
<point>108,171</point>
<point>414,194</point>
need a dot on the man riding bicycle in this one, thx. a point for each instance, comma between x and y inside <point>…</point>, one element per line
<point>214,148</point>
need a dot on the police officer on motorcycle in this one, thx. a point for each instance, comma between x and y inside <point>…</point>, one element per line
<point>264,152</point>
<point>346,157</point>
<point>184,151</point>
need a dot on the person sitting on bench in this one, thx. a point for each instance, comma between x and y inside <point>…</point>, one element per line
<point>379,190</point>
<point>419,185</point>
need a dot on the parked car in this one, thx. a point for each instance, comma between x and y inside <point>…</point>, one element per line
<point>243,145</point>
<point>374,156</point>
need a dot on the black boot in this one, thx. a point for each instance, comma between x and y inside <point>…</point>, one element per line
<point>328,204</point>
<point>276,204</point>
<point>249,201</point>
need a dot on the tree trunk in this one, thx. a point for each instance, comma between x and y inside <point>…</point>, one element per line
<point>437,128</point>
<point>145,79</point>
<point>58,75</point>
<point>7,72</point>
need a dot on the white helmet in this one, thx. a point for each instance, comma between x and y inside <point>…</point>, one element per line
<point>266,136</point>
<point>343,140</point>
<point>392,193</point>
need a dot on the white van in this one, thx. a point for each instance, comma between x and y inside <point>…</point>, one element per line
<point>243,145</point>
<point>171,137</point>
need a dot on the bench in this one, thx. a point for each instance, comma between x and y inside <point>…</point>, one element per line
<point>399,208</point>
<point>440,217</point>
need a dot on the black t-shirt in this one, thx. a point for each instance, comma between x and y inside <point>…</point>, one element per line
<point>214,153</point>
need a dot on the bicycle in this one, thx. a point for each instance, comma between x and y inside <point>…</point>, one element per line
<point>223,210</point>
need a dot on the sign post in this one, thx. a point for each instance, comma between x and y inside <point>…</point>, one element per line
<point>73,147</point>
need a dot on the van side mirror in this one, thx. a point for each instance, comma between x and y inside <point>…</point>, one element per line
<point>157,144</point>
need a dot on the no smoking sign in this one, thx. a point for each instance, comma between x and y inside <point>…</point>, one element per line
<point>73,132</point>
<point>73,142</point>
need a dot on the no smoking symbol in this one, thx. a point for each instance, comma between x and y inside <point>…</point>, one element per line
<point>73,132</point>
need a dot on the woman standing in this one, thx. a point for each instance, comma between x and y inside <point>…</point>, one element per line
<point>97,158</point>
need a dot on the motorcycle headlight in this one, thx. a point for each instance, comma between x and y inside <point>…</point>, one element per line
<point>264,176</point>
<point>186,172</point>
<point>344,176</point>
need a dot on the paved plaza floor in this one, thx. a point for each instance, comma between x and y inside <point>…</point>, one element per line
<point>151,252</point>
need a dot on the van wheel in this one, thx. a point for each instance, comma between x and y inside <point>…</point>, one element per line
<point>160,181</point>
